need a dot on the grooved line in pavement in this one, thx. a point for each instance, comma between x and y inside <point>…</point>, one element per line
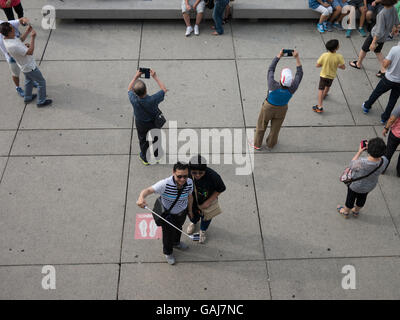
<point>252,172</point>
<point>127,179</point>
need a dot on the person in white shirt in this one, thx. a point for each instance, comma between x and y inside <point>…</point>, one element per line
<point>23,55</point>
<point>176,201</point>
<point>15,70</point>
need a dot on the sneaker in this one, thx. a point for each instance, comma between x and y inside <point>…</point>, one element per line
<point>190,228</point>
<point>143,161</point>
<point>196,30</point>
<point>181,246</point>
<point>317,109</point>
<point>338,26</point>
<point>383,121</point>
<point>189,30</point>
<point>328,26</point>
<point>254,147</point>
<point>47,102</point>
<point>389,38</point>
<point>364,109</point>
<point>170,259</point>
<point>320,28</point>
<point>202,237</point>
<point>362,32</point>
<point>348,33</point>
<point>33,98</point>
<point>20,91</point>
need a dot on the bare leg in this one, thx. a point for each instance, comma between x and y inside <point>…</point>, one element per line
<point>369,16</point>
<point>320,98</point>
<point>186,18</point>
<point>380,59</point>
<point>361,57</point>
<point>326,90</point>
<point>363,12</point>
<point>323,18</point>
<point>335,14</point>
<point>16,81</point>
<point>227,11</point>
<point>199,17</point>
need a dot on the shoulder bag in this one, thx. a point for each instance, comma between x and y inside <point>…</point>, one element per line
<point>212,211</point>
<point>159,119</point>
<point>347,174</point>
<point>159,208</point>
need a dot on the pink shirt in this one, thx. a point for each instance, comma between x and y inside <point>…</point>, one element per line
<point>13,3</point>
<point>395,128</point>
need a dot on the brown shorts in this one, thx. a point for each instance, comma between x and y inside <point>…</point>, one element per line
<point>324,82</point>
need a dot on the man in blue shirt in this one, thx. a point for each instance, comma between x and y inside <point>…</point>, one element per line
<point>145,109</point>
<point>275,105</point>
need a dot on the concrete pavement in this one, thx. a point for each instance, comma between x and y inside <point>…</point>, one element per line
<point>70,176</point>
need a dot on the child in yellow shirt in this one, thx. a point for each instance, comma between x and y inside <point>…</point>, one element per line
<point>329,61</point>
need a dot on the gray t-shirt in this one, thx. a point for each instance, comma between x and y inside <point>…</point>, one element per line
<point>362,167</point>
<point>385,21</point>
<point>393,72</point>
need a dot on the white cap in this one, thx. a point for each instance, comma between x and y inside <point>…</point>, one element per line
<point>286,77</point>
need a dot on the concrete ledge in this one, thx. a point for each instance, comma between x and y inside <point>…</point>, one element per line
<point>171,9</point>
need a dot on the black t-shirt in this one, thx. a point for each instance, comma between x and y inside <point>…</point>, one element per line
<point>211,182</point>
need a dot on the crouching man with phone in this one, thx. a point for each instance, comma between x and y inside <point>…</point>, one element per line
<point>145,109</point>
<point>275,105</point>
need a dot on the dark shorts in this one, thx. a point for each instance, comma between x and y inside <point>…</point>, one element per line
<point>324,82</point>
<point>356,3</point>
<point>368,42</point>
<point>375,9</point>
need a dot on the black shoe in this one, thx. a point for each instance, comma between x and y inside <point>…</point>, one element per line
<point>33,98</point>
<point>46,103</point>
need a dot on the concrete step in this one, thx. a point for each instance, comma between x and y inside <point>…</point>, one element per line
<point>171,9</point>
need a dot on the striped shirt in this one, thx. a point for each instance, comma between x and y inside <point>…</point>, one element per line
<point>169,191</point>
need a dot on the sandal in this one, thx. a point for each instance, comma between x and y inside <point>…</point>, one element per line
<point>355,214</point>
<point>354,64</point>
<point>344,214</point>
<point>380,74</point>
<point>317,109</point>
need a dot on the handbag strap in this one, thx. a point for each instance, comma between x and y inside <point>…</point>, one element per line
<point>373,171</point>
<point>177,198</point>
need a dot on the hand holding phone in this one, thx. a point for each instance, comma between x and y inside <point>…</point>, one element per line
<point>146,72</point>
<point>364,144</point>
<point>288,52</point>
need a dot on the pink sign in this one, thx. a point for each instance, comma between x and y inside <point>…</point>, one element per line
<point>146,228</point>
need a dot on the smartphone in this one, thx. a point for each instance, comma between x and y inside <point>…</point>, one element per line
<point>146,72</point>
<point>364,144</point>
<point>288,52</point>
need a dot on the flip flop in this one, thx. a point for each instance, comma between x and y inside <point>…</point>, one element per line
<point>355,214</point>
<point>354,64</point>
<point>345,215</point>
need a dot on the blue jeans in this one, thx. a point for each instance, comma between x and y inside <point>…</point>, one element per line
<point>35,76</point>
<point>218,14</point>
<point>203,224</point>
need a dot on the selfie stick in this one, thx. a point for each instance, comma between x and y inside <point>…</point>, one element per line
<point>194,237</point>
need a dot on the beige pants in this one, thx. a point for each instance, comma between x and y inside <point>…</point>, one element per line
<point>275,114</point>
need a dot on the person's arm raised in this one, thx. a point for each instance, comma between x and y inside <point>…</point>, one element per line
<point>32,44</point>
<point>156,79</point>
